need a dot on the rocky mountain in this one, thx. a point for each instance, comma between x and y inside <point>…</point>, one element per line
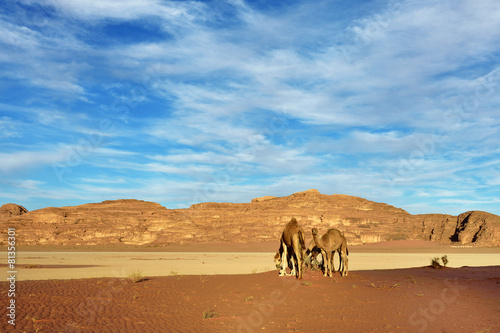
<point>136,222</point>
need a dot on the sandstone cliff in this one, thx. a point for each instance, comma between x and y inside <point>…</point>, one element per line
<point>477,228</point>
<point>10,209</point>
<point>136,222</point>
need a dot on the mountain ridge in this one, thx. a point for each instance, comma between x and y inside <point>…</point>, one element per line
<point>138,222</point>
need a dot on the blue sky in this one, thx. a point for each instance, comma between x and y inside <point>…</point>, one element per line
<point>183,102</point>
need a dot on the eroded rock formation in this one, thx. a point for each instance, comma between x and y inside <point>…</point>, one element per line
<point>136,222</point>
<point>477,227</point>
<point>10,209</point>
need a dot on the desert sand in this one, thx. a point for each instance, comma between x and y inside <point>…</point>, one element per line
<point>406,300</point>
<point>77,265</point>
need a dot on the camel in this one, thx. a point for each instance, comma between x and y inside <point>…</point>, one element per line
<point>292,245</point>
<point>313,260</point>
<point>330,242</point>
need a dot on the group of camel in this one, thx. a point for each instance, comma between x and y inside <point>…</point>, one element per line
<point>293,252</point>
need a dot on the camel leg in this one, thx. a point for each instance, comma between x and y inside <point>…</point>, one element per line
<point>299,263</point>
<point>294,270</point>
<point>326,262</point>
<point>332,261</point>
<point>341,261</point>
<point>330,264</point>
<point>284,260</point>
<point>289,259</point>
<point>342,258</point>
<point>345,270</point>
<point>297,254</point>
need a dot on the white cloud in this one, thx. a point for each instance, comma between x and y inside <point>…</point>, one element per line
<point>103,180</point>
<point>116,9</point>
<point>469,202</point>
<point>357,96</point>
<point>61,86</point>
<point>9,128</point>
<point>12,162</point>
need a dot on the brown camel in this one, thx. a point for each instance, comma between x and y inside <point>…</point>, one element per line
<point>330,242</point>
<point>292,244</point>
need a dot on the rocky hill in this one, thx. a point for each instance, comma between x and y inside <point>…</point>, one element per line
<point>135,222</point>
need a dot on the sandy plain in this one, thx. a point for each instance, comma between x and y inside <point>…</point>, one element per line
<point>45,263</point>
<point>78,265</point>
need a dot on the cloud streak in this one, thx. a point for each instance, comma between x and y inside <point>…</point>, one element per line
<point>394,102</point>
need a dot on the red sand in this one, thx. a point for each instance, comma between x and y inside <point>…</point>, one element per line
<point>411,300</point>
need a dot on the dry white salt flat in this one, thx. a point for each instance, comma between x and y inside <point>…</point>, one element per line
<point>64,265</point>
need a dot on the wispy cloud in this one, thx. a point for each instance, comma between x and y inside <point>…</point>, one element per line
<point>396,102</point>
<point>13,162</point>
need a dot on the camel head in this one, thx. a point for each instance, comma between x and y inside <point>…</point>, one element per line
<point>277,260</point>
<point>314,231</point>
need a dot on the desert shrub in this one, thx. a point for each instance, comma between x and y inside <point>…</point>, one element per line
<point>435,262</point>
<point>207,314</point>
<point>136,276</point>
<point>444,259</point>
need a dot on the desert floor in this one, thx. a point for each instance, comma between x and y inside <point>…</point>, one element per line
<point>44,263</point>
<point>420,299</point>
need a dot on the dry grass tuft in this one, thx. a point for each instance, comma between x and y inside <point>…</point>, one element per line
<point>207,314</point>
<point>136,276</point>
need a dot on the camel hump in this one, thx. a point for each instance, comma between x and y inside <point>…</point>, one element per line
<point>293,220</point>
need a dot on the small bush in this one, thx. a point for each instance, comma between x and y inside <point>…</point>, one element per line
<point>435,263</point>
<point>136,276</point>
<point>444,259</point>
<point>207,314</point>
<point>307,283</point>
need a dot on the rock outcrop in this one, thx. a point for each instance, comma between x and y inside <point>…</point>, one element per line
<point>267,197</point>
<point>477,227</point>
<point>10,209</point>
<point>136,222</point>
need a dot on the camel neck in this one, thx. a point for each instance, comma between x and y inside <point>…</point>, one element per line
<point>317,241</point>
